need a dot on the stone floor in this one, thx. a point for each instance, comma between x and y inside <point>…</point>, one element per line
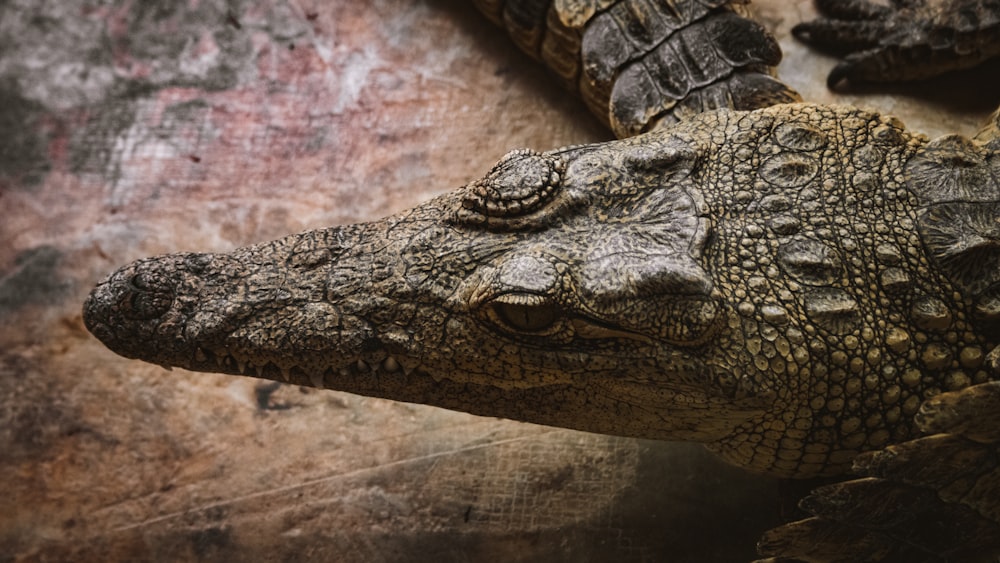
<point>135,128</point>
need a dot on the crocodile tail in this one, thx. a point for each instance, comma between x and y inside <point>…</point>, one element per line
<point>640,64</point>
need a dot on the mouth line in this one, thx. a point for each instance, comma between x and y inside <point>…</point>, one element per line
<point>319,376</point>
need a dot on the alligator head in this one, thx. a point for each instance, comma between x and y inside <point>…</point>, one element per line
<point>703,282</point>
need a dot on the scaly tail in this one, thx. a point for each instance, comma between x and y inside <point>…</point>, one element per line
<point>639,65</point>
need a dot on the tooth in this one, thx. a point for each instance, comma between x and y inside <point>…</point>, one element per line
<point>344,372</point>
<point>242,366</point>
<point>199,355</point>
<point>390,364</point>
<point>286,374</point>
<point>408,369</point>
<point>220,359</point>
<point>259,370</point>
<point>167,367</point>
<point>362,366</point>
<point>316,379</point>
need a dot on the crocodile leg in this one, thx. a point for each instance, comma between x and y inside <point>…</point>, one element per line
<point>639,63</point>
<point>908,41</point>
<point>935,498</point>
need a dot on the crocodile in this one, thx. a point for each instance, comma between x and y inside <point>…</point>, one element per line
<point>808,290</point>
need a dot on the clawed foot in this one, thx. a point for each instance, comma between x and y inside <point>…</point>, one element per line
<point>935,498</point>
<point>906,40</point>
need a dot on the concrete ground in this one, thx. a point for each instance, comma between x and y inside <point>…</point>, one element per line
<point>136,128</point>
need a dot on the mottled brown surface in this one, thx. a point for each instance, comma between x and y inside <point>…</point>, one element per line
<point>153,127</point>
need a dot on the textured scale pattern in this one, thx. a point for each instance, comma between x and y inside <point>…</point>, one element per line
<point>883,322</point>
<point>520,184</point>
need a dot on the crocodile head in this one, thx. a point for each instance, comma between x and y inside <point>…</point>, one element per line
<point>563,288</point>
<point>745,280</point>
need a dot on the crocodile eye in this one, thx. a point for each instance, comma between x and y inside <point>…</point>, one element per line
<point>526,318</point>
<point>525,313</point>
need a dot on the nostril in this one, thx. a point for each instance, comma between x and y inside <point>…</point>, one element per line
<point>144,296</point>
<point>145,305</point>
<point>140,282</point>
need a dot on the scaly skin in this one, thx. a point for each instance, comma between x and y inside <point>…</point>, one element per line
<point>639,65</point>
<point>786,285</point>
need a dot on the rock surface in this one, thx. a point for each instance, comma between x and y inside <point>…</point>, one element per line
<point>135,129</point>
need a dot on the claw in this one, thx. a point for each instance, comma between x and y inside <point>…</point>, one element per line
<point>907,40</point>
<point>817,539</point>
<point>932,461</point>
<point>839,36</point>
<point>852,9</point>
<point>840,73</point>
<point>973,413</point>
